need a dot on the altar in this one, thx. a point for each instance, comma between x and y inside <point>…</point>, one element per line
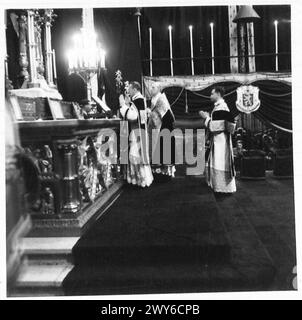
<point>65,154</point>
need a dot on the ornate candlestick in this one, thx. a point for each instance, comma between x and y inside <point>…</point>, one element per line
<point>86,57</point>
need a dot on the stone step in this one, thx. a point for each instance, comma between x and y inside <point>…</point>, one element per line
<point>50,246</point>
<point>46,262</point>
<point>36,280</point>
<point>53,250</point>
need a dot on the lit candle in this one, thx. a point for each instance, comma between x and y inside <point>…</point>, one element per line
<point>212,46</point>
<point>276,46</point>
<point>171,50</point>
<point>54,64</point>
<point>191,46</point>
<point>150,44</point>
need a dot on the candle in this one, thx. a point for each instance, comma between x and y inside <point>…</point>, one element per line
<point>54,64</point>
<point>276,46</point>
<point>212,46</point>
<point>30,42</point>
<point>191,46</point>
<point>150,44</point>
<point>171,50</point>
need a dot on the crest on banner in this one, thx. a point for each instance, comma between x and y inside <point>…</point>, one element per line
<point>248,99</point>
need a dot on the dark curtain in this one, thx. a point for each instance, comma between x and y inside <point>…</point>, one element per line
<point>264,31</point>
<point>180,18</point>
<point>276,103</point>
<point>199,100</point>
<point>275,97</point>
<point>117,31</point>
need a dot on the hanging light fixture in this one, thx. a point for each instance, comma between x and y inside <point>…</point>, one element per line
<point>246,14</point>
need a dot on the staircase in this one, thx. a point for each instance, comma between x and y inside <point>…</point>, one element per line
<point>46,262</point>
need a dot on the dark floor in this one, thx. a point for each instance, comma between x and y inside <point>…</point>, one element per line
<point>179,237</point>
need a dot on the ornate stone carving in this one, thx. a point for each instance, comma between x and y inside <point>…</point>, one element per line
<point>88,171</point>
<point>70,180</point>
<point>48,19</point>
<point>43,160</point>
<point>38,26</point>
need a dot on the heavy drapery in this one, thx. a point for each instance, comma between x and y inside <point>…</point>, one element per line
<point>275,97</point>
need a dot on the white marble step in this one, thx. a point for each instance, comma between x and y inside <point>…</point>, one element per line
<point>48,246</point>
<point>45,276</point>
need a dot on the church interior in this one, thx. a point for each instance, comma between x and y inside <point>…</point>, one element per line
<point>73,224</point>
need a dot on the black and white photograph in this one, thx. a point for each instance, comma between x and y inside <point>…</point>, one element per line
<point>149,149</point>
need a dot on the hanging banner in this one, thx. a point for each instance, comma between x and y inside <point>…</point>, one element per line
<point>248,99</point>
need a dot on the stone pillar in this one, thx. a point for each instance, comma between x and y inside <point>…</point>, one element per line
<point>32,48</point>
<point>233,40</point>
<point>242,47</point>
<point>38,40</point>
<point>251,46</point>
<point>71,193</point>
<point>48,18</point>
<point>23,59</point>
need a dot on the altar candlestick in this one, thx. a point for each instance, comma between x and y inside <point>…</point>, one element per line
<point>150,44</point>
<point>276,46</point>
<point>212,46</point>
<point>171,50</point>
<point>191,46</point>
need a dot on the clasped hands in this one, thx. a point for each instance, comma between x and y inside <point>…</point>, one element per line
<point>124,100</point>
<point>203,114</point>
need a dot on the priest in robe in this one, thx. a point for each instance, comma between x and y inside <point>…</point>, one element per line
<point>161,117</point>
<point>220,169</point>
<point>138,169</point>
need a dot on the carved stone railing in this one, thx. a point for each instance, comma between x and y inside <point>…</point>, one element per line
<point>74,168</point>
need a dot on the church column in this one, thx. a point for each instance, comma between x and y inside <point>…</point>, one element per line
<point>245,18</point>
<point>38,22</point>
<point>251,47</point>
<point>48,18</point>
<point>23,59</point>
<point>32,48</point>
<point>233,40</point>
<point>242,47</point>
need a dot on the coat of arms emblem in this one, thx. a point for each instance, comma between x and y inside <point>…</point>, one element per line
<point>248,99</point>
